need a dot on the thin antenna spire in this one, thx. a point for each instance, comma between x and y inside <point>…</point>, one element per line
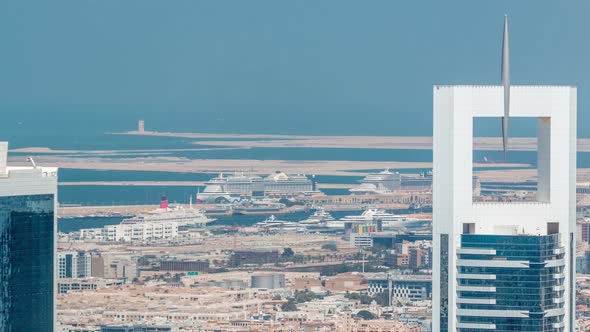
<point>506,85</point>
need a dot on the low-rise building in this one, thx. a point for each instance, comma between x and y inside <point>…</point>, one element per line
<point>362,240</point>
<point>308,283</point>
<point>346,282</point>
<point>411,287</point>
<point>77,284</point>
<point>253,257</point>
<point>127,232</point>
<point>268,280</point>
<point>184,266</point>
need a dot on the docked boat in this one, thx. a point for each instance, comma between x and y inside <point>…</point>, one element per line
<point>258,208</point>
<point>320,216</point>
<point>272,223</point>
<point>388,220</point>
<point>219,210</point>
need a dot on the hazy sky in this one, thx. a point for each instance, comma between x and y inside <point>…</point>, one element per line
<point>383,55</point>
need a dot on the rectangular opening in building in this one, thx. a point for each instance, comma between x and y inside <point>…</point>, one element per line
<point>552,227</point>
<point>468,228</point>
<point>514,176</point>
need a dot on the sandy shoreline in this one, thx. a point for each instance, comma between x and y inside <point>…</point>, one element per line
<point>153,160</point>
<point>298,141</point>
<point>365,142</point>
<point>183,165</point>
<point>46,150</point>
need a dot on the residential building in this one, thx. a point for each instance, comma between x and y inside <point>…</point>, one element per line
<point>400,260</point>
<point>415,259</point>
<point>73,264</point>
<point>134,232</point>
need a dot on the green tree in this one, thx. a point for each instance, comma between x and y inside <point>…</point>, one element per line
<point>330,246</point>
<point>378,250</point>
<point>366,299</point>
<point>287,253</point>
<point>304,296</point>
<point>382,298</point>
<point>366,315</point>
<point>298,258</point>
<point>289,305</point>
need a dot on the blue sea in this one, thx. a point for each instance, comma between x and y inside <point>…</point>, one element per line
<point>88,128</point>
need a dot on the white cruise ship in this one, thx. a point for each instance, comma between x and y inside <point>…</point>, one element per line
<point>233,187</point>
<point>378,183</point>
<point>184,217</point>
<point>178,214</point>
<point>388,220</point>
<point>320,216</point>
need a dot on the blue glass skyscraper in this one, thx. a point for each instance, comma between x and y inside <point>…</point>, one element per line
<point>27,247</point>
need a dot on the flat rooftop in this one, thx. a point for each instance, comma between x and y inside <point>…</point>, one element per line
<point>21,171</point>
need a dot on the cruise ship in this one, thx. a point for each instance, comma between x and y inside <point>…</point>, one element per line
<point>178,214</point>
<point>234,187</point>
<point>388,220</point>
<point>379,183</point>
<point>417,182</point>
<point>320,216</point>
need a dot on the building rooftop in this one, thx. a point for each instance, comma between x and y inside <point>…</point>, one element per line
<point>8,171</point>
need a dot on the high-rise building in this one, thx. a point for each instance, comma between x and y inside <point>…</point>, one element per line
<point>415,259</point>
<point>27,246</point>
<point>72,264</point>
<point>504,266</point>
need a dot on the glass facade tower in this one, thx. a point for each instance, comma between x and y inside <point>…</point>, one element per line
<point>514,274</point>
<point>26,263</point>
<point>27,247</point>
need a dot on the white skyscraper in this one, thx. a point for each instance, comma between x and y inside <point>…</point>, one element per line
<point>505,266</point>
